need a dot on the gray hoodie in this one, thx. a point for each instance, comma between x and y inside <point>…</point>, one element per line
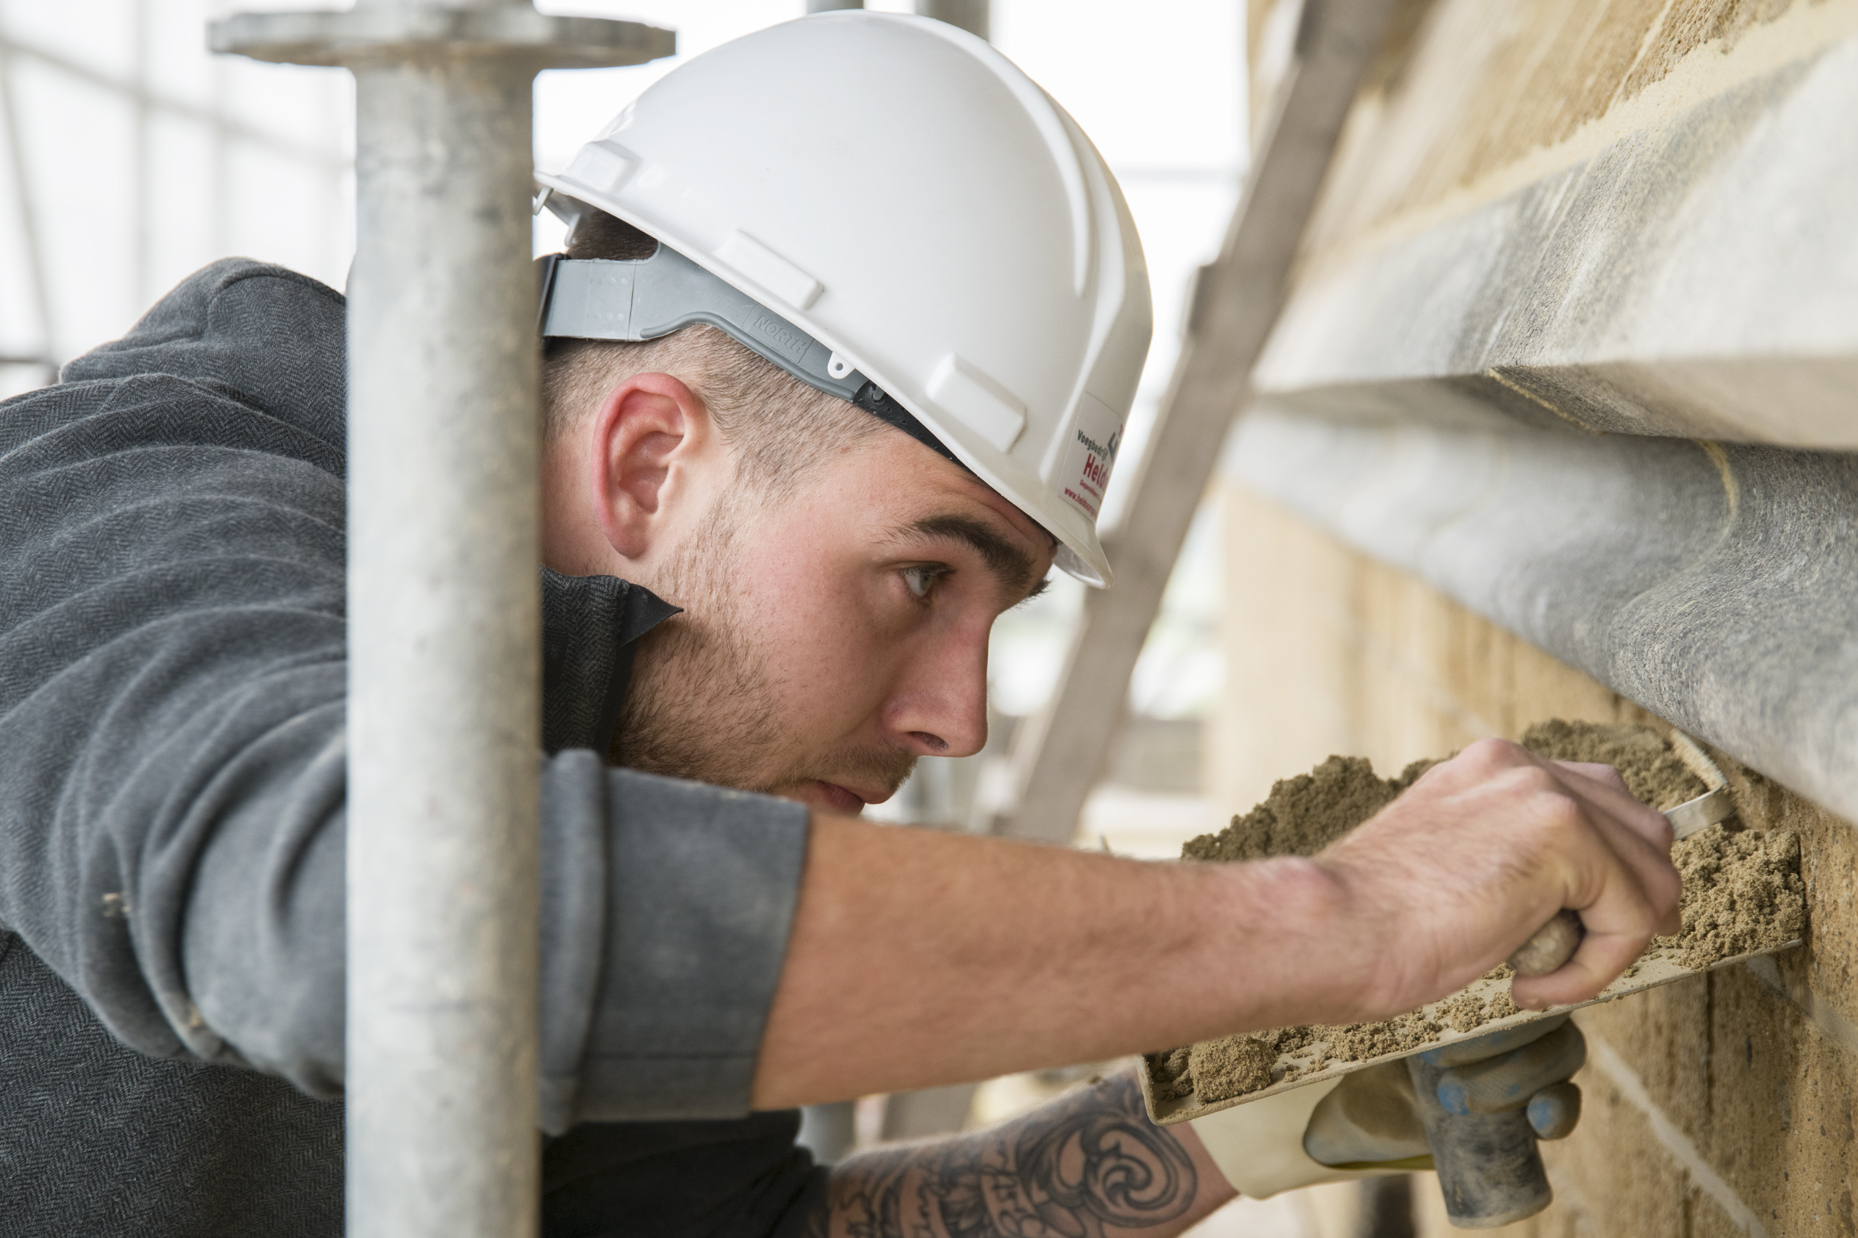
<point>172,771</point>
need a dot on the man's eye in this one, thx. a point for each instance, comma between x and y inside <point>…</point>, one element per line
<point>920,580</point>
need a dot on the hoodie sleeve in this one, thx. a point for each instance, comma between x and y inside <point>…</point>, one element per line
<point>696,888</point>
<point>172,744</point>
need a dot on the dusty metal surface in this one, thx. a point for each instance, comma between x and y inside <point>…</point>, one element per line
<point>444,609</point>
<point>508,33</point>
<point>444,676</point>
<point>1657,967</point>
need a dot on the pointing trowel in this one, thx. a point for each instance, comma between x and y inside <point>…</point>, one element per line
<point>1489,1169</point>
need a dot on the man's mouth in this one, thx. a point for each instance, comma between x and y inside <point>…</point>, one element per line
<point>840,799</point>
<point>850,798</point>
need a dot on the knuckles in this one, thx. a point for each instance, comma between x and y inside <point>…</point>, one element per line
<point>1538,805</point>
<point>1561,812</point>
<point>1487,756</point>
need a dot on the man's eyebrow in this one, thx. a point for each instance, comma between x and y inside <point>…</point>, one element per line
<point>1003,558</point>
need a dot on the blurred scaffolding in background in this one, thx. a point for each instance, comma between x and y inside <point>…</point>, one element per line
<point>130,157</point>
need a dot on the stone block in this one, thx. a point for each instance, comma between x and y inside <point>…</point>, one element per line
<point>1663,1034</point>
<point>1825,974</point>
<point>1781,1095</point>
<point>1602,248</point>
<point>1755,1069</point>
<point>1612,1177</point>
<point>1707,1218</point>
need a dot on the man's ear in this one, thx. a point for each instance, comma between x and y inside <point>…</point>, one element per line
<point>650,433</point>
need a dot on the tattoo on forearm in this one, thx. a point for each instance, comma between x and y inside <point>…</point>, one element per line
<point>1089,1162</point>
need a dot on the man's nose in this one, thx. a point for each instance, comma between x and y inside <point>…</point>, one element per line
<point>941,707</point>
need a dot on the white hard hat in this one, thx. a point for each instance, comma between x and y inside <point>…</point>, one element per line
<point>904,196</point>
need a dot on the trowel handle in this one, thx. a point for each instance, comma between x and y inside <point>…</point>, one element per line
<point>1489,1169</point>
<point>1553,944</point>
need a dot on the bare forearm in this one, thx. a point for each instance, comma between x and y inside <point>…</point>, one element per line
<point>1089,1163</point>
<point>920,959</point>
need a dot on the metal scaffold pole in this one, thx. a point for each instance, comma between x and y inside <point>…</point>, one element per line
<point>971,15</point>
<point>444,616</point>
<point>443,666</point>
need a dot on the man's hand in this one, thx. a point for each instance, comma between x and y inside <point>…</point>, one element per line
<point>1373,1119</point>
<point>1449,879</point>
<point>1368,1122</point>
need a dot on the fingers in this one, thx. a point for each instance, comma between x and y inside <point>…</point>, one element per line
<point>1509,1081</point>
<point>1637,832</point>
<point>1617,929</point>
<point>1607,774</point>
<point>1602,955</point>
<point>1622,904</point>
<point>1521,838</point>
<point>1602,785</point>
<point>1554,1111</point>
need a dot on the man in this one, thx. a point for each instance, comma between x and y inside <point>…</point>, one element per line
<point>842,463</point>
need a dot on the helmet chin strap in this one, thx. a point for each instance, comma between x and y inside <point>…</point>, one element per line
<point>874,400</point>
<point>647,298</point>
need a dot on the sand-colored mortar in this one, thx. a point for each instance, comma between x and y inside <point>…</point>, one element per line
<point>1744,1079</point>
<point>1742,892</point>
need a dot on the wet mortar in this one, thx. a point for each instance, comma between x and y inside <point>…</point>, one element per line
<point>1742,892</point>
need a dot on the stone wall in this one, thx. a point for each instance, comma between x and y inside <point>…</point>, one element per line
<point>1468,99</point>
<point>1717,1106</point>
<point>1562,243</point>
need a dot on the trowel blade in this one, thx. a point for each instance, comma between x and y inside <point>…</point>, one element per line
<point>1657,966</point>
<point>1699,814</point>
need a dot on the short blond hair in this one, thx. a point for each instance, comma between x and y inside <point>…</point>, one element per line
<point>778,425</point>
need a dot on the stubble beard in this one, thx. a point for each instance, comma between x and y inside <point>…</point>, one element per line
<point>702,704</point>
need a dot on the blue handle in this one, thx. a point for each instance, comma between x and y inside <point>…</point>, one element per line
<point>1489,1168</point>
